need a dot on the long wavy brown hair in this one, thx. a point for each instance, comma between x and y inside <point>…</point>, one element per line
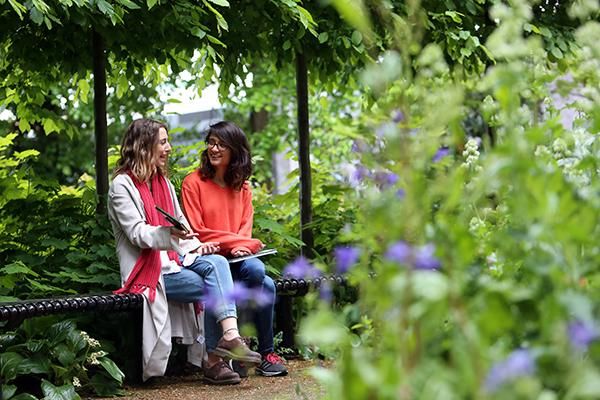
<point>240,165</point>
<point>137,149</point>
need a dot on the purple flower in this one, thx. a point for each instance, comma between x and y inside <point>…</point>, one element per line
<point>212,301</point>
<point>346,258</point>
<point>301,268</point>
<point>386,179</point>
<point>440,153</point>
<point>518,363</point>
<point>325,292</point>
<point>399,252</point>
<point>359,146</point>
<point>581,334</point>
<point>261,298</point>
<point>424,258</point>
<point>241,294</point>
<point>397,116</point>
<point>419,258</point>
<point>360,173</point>
<point>400,193</point>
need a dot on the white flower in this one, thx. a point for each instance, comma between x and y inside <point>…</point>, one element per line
<point>93,358</point>
<point>90,341</point>
<point>76,382</point>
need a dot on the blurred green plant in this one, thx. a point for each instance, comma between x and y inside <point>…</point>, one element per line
<point>485,252</point>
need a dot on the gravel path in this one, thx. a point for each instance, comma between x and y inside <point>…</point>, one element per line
<point>191,387</point>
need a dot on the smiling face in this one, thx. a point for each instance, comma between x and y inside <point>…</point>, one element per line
<point>162,148</point>
<point>219,154</point>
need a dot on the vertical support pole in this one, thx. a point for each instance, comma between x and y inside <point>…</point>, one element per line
<point>100,125</point>
<point>304,154</point>
<point>284,321</point>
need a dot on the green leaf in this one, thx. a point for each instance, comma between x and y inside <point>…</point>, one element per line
<point>354,13</point>
<point>105,7</point>
<point>223,3</point>
<point>17,267</point>
<point>129,4</point>
<point>9,365</point>
<point>36,365</point>
<point>151,3</point>
<point>112,369</point>
<point>7,140</point>
<point>545,32</point>
<point>83,88</point>
<point>531,28</point>
<point>18,7</point>
<point>36,16</point>
<point>65,392</point>
<point>8,391</point>
<point>214,40</point>
<point>122,85</point>
<point>65,356</point>
<point>220,20</point>
<point>22,155</point>
<point>24,396</point>
<point>287,45</point>
<point>49,126</point>
<point>199,33</point>
<point>456,16</point>
<point>357,37</point>
<point>323,36</point>
<point>556,52</point>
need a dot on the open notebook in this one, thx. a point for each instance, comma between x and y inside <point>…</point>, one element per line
<point>261,253</point>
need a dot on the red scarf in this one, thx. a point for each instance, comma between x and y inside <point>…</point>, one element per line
<point>147,269</point>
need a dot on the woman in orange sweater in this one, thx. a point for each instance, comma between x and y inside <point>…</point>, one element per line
<point>217,201</point>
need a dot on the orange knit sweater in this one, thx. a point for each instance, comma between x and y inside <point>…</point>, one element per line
<point>219,214</point>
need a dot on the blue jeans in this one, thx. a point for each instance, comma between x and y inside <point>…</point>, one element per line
<point>252,273</point>
<point>207,276</point>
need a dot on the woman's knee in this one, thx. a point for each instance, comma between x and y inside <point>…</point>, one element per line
<point>184,286</point>
<point>268,284</point>
<point>254,271</point>
<point>217,261</point>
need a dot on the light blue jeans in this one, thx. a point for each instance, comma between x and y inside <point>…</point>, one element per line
<point>207,279</point>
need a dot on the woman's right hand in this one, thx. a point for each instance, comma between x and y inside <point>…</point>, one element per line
<point>182,234</point>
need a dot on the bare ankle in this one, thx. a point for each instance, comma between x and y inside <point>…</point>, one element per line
<point>230,333</point>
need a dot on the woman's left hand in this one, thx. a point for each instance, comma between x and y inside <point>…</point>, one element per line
<point>208,248</point>
<point>240,252</point>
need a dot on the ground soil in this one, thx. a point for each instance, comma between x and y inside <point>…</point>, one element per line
<point>296,385</point>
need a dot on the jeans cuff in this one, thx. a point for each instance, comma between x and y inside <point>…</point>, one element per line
<point>225,314</point>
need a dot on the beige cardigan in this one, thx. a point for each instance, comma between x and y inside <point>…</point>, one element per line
<point>162,319</point>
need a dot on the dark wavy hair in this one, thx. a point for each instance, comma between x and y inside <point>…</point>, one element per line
<point>137,149</point>
<point>240,165</point>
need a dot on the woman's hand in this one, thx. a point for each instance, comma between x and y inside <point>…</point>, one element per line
<point>182,234</point>
<point>208,248</point>
<point>240,252</point>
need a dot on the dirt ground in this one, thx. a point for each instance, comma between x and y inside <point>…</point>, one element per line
<point>296,385</point>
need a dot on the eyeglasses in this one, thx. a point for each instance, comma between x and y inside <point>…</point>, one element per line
<point>220,146</point>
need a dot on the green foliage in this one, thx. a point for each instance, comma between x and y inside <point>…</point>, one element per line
<point>54,360</point>
<point>51,241</point>
<point>514,224</point>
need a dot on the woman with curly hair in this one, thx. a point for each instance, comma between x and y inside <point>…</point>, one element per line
<point>217,200</point>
